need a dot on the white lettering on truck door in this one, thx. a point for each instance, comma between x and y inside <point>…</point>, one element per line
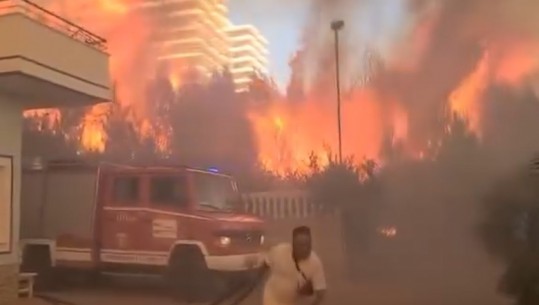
<point>121,239</point>
<point>165,228</point>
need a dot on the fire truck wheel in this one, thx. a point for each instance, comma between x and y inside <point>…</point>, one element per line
<point>188,276</point>
<point>37,259</point>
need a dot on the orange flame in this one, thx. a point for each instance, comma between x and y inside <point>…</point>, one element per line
<point>465,100</point>
<point>175,82</point>
<point>517,63</point>
<point>289,133</point>
<point>113,6</point>
<point>508,64</point>
<point>45,119</point>
<point>93,128</point>
<point>160,135</point>
<point>112,19</point>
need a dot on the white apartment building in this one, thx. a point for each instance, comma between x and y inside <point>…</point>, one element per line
<point>248,54</point>
<point>190,33</point>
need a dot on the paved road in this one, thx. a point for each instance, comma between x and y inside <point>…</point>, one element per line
<point>427,280</point>
<point>373,291</point>
<point>361,295</point>
<point>406,282</point>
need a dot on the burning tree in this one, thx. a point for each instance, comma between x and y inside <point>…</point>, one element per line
<point>400,77</point>
<point>201,123</point>
<point>424,201</point>
<point>210,128</point>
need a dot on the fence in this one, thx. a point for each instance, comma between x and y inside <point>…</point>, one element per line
<point>284,210</point>
<point>280,205</point>
<point>43,16</point>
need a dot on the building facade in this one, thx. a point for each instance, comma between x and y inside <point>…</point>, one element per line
<point>32,76</point>
<point>189,33</point>
<point>248,54</point>
<point>186,35</point>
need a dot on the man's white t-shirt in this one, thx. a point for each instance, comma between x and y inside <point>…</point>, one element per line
<point>284,280</point>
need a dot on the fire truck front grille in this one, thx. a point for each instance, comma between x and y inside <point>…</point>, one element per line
<point>245,238</point>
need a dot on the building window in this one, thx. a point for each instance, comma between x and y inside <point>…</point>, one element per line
<point>126,190</point>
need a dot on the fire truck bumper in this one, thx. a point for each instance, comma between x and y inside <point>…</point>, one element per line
<point>232,263</point>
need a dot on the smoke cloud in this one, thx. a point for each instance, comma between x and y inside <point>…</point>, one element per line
<point>418,61</point>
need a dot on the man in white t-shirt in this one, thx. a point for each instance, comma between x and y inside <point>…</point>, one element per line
<point>292,268</point>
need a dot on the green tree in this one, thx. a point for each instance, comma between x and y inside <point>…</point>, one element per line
<point>510,232</point>
<point>335,186</point>
<point>352,191</point>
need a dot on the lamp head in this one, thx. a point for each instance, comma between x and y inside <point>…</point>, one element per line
<point>337,25</point>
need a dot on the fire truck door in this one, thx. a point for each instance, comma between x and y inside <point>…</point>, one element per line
<point>122,220</point>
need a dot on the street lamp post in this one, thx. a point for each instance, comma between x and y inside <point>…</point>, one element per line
<point>336,26</point>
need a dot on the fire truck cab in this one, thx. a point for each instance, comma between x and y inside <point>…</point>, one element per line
<point>180,222</point>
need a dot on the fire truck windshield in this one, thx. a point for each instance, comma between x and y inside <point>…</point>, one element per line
<point>215,192</point>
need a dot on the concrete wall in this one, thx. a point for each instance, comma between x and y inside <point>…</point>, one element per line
<point>10,145</point>
<point>50,54</point>
<point>8,284</point>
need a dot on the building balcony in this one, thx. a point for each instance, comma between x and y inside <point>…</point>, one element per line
<point>48,61</point>
<point>192,46</point>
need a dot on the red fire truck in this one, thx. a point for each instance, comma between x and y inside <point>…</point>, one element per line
<point>180,222</point>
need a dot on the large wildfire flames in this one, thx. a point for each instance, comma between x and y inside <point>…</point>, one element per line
<point>431,59</point>
<point>129,69</point>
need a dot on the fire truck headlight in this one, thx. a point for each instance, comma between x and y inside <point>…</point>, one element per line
<point>262,239</point>
<point>224,241</point>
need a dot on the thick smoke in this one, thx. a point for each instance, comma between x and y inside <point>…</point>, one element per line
<point>487,47</point>
<point>370,26</point>
<point>422,52</point>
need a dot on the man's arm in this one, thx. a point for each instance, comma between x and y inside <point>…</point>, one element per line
<point>265,260</point>
<point>319,282</point>
<point>319,296</point>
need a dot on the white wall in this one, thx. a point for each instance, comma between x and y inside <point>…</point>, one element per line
<point>47,53</point>
<point>10,144</point>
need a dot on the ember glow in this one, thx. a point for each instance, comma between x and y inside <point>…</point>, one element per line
<point>466,98</point>
<point>45,119</point>
<point>93,134</point>
<point>388,232</point>
<point>175,81</point>
<point>113,6</point>
<point>406,67</point>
